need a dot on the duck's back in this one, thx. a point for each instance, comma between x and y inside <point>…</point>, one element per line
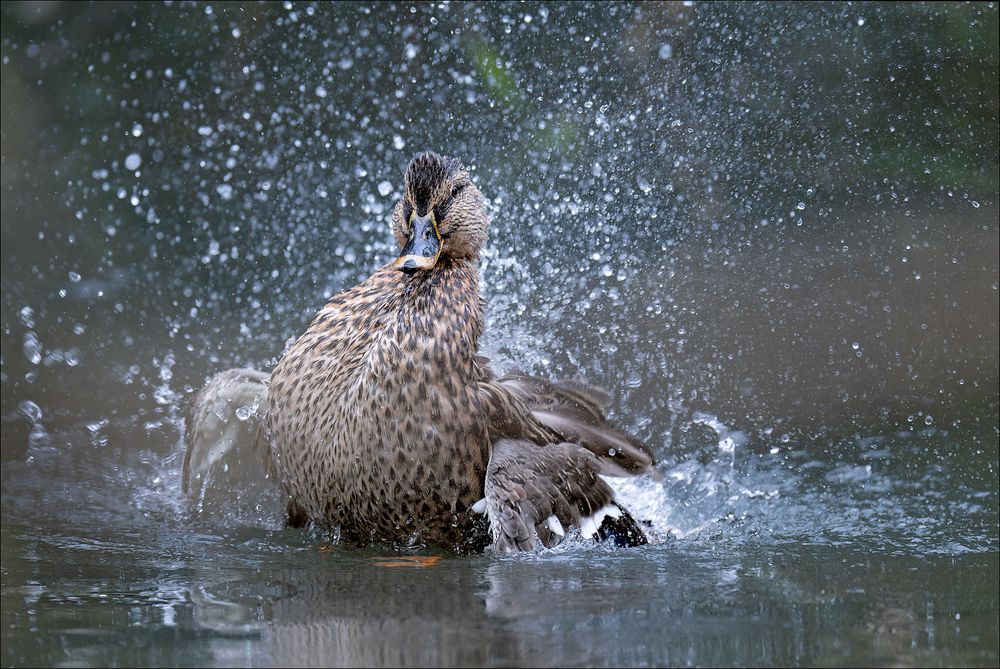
<point>374,420</point>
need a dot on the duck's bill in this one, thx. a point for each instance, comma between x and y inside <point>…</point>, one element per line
<point>423,248</point>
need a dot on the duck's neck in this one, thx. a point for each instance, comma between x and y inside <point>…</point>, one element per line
<point>444,304</point>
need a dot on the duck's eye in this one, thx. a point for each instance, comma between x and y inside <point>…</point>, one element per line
<point>457,189</point>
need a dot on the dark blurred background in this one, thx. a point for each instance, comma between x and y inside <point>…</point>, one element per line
<point>782,214</point>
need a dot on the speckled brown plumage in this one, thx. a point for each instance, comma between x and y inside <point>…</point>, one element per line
<point>382,418</point>
<point>375,417</point>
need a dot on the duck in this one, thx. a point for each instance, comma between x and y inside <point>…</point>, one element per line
<point>384,421</point>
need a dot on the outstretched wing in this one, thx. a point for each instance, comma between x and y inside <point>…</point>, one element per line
<point>222,419</point>
<point>527,407</point>
<point>544,491</point>
<point>548,491</point>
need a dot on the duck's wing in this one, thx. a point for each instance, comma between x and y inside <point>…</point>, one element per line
<point>222,420</point>
<point>547,492</point>
<point>527,407</point>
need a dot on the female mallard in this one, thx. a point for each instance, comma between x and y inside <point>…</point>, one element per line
<point>382,418</point>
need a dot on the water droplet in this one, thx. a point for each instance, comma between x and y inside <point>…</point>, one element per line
<point>30,410</point>
<point>32,348</point>
<point>666,51</point>
<point>320,91</point>
<point>384,188</point>
<point>133,161</point>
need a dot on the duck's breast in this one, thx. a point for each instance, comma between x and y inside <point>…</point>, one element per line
<point>375,420</point>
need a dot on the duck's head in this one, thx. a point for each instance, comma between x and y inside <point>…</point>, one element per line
<point>441,214</point>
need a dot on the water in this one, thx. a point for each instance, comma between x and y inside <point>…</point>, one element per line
<point>763,232</point>
<point>840,565</point>
<point>270,600</point>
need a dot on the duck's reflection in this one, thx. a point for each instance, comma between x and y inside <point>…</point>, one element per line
<point>363,610</point>
<point>344,609</point>
<point>347,610</point>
